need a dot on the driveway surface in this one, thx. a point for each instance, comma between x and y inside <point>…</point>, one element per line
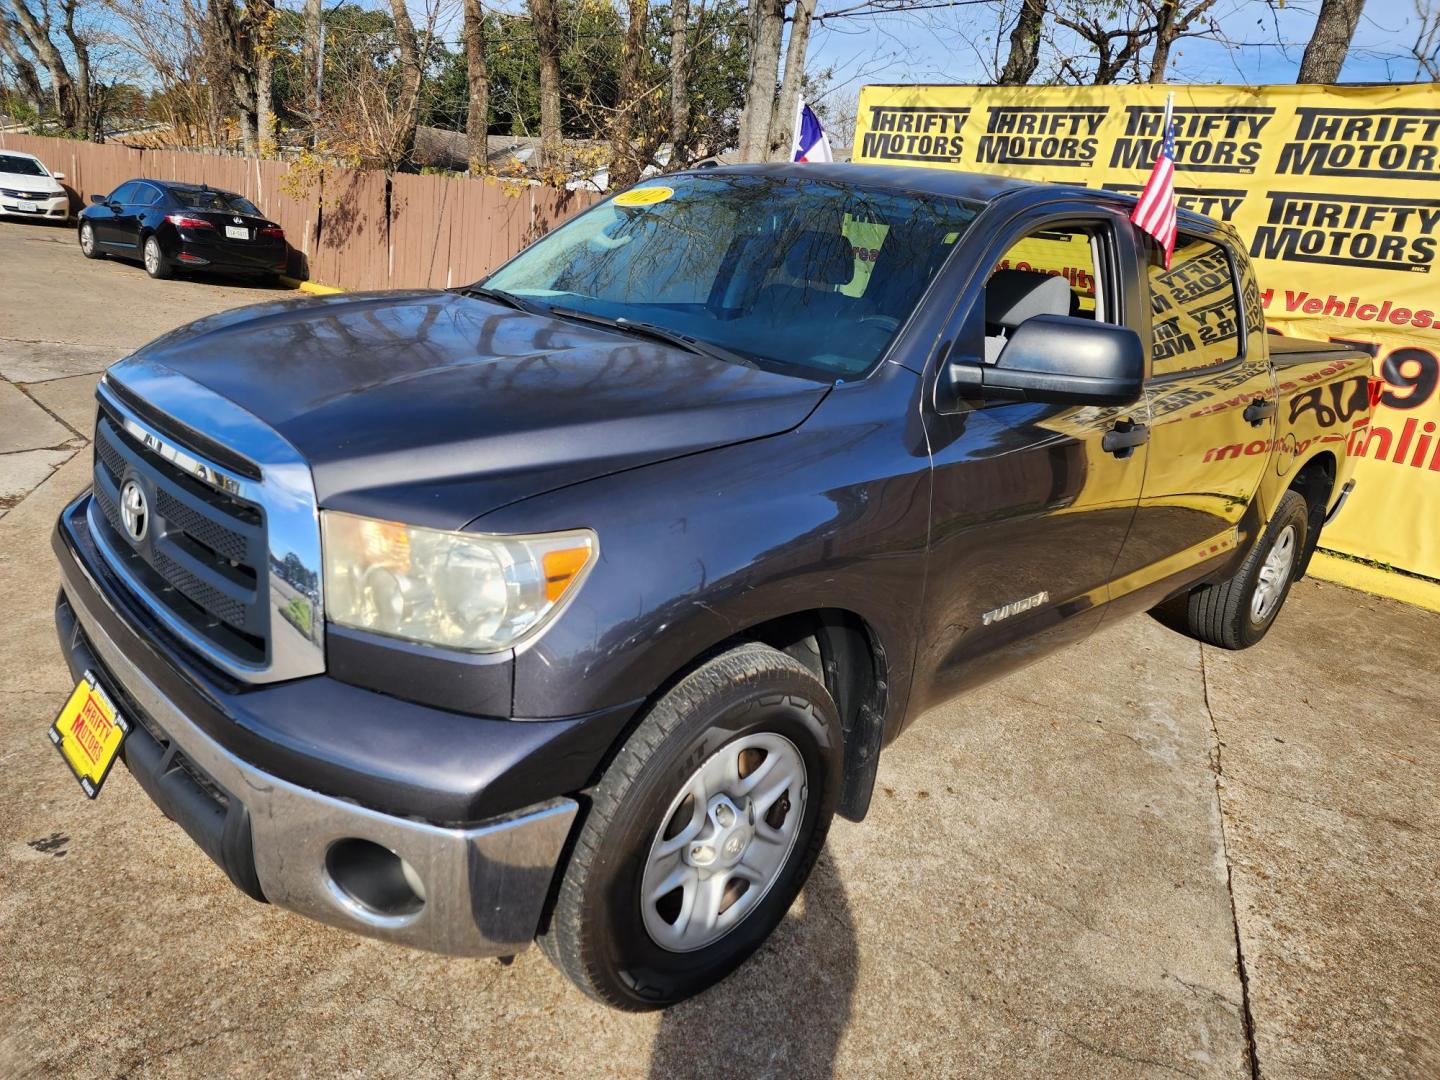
<point>1139,857</point>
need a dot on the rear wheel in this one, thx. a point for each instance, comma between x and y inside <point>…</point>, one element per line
<point>701,832</point>
<point>1238,612</point>
<point>156,265</point>
<point>89,247</point>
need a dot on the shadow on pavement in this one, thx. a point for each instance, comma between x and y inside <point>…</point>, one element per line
<point>785,1011</point>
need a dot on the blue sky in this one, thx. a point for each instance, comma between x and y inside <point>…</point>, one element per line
<point>947,45</point>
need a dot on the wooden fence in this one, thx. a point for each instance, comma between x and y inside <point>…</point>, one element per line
<point>357,229</point>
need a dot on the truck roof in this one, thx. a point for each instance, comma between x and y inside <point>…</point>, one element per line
<point>952,183</point>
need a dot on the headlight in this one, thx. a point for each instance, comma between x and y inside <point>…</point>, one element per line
<point>461,590</point>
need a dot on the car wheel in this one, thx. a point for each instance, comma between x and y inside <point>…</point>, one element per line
<point>156,265</point>
<point>88,245</point>
<point>1237,613</point>
<point>700,833</point>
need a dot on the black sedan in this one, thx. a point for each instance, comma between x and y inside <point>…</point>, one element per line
<point>171,226</point>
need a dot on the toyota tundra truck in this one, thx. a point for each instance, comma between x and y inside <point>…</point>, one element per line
<point>572,605</point>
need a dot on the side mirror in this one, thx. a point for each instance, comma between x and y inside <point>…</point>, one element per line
<point>98,200</point>
<point>1060,359</point>
<point>58,175</point>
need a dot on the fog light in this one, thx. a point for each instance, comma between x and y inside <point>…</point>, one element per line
<point>374,879</point>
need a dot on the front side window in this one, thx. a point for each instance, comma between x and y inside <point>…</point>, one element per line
<point>124,193</point>
<point>16,165</point>
<point>1052,271</point>
<point>814,277</point>
<point>1194,309</point>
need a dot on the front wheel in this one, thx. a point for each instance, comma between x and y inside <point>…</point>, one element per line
<point>89,247</point>
<point>156,265</point>
<point>700,833</point>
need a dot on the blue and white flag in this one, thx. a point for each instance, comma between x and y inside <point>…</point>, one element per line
<point>811,143</point>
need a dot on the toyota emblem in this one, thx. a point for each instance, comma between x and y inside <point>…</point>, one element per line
<point>134,513</point>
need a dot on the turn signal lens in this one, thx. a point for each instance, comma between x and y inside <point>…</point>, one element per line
<point>561,568</point>
<point>460,590</point>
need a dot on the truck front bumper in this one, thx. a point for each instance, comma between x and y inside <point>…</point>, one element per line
<point>469,890</point>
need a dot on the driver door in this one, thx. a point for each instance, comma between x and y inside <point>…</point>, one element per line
<point>1030,511</point>
<point>107,219</point>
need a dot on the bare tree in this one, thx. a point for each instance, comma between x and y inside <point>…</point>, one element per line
<point>1024,55</point>
<point>412,79</point>
<point>477,79</point>
<point>1330,41</point>
<point>262,16</point>
<point>767,26</point>
<point>545,16</point>
<point>70,91</point>
<point>25,73</point>
<point>782,120</point>
<point>625,164</point>
<point>1172,22</point>
<point>679,79</point>
<point>1426,49</point>
<point>171,39</point>
<point>1120,35</point>
<point>312,51</point>
<point>1116,47</point>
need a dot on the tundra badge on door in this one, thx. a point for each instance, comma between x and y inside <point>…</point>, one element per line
<point>1004,611</point>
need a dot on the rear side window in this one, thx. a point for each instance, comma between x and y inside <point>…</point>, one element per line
<point>1194,309</point>
<point>147,195</point>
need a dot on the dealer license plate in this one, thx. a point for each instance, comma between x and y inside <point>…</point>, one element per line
<point>89,733</point>
<point>235,232</point>
<point>28,207</point>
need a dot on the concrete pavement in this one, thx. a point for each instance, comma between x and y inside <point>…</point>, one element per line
<point>1137,858</point>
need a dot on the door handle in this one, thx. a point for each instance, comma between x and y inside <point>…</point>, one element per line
<point>1124,437</point>
<point>1259,410</point>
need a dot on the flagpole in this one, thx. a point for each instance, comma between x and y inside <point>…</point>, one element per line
<point>1169,108</point>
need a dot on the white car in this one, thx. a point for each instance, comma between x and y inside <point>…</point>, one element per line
<point>29,190</point>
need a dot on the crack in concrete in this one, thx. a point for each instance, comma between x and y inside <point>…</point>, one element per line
<point>49,411</point>
<point>1202,992</point>
<point>1247,1017</point>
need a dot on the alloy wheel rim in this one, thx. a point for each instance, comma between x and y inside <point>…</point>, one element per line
<point>723,842</point>
<point>87,239</point>
<point>1274,573</point>
<point>152,255</point>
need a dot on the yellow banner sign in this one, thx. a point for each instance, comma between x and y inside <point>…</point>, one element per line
<point>1335,190</point>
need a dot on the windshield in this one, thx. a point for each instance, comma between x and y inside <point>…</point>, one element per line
<point>21,166</point>
<point>802,275</point>
<point>214,200</point>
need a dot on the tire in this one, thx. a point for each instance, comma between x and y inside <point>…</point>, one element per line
<point>601,934</point>
<point>156,265</point>
<point>1238,612</point>
<point>89,246</point>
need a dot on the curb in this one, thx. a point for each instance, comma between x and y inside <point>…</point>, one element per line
<point>1372,579</point>
<point>314,288</point>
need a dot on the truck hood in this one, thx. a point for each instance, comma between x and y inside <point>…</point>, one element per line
<point>435,408</point>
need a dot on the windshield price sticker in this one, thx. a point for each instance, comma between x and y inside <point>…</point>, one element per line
<point>645,196</point>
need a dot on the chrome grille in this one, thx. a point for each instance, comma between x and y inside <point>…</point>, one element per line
<point>230,561</point>
<point>202,558</point>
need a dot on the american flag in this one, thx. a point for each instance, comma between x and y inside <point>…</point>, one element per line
<point>1154,213</point>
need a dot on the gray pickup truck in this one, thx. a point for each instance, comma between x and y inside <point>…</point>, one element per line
<point>575,603</point>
